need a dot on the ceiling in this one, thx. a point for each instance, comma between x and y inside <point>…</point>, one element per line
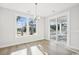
<point>43,9</point>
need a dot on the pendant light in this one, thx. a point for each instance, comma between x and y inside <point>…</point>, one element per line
<point>35,16</point>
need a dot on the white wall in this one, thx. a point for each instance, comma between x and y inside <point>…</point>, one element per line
<point>74,18</point>
<point>8,29</point>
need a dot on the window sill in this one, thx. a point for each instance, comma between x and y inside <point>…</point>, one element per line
<point>26,36</point>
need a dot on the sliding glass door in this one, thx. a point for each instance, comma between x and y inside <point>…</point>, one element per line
<point>58,29</point>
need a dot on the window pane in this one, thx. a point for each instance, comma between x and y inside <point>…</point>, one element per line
<point>21,25</point>
<point>32,26</point>
<point>62,34</point>
<point>53,29</point>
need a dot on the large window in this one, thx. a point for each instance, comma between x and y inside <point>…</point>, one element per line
<point>25,25</point>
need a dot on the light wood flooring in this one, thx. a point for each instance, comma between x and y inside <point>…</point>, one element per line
<point>41,47</point>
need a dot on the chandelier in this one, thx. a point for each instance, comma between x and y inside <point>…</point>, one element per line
<point>35,15</point>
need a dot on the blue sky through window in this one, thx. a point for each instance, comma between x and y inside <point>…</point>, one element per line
<point>22,21</point>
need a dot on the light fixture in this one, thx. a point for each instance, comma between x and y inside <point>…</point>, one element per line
<point>35,16</point>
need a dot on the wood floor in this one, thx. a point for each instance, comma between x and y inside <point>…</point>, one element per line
<point>41,47</point>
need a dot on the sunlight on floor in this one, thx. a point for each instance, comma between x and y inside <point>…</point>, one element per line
<point>34,51</point>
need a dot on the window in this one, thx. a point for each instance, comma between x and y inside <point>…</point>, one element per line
<point>32,27</point>
<point>25,24</point>
<point>62,35</point>
<point>53,29</point>
<point>21,25</point>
